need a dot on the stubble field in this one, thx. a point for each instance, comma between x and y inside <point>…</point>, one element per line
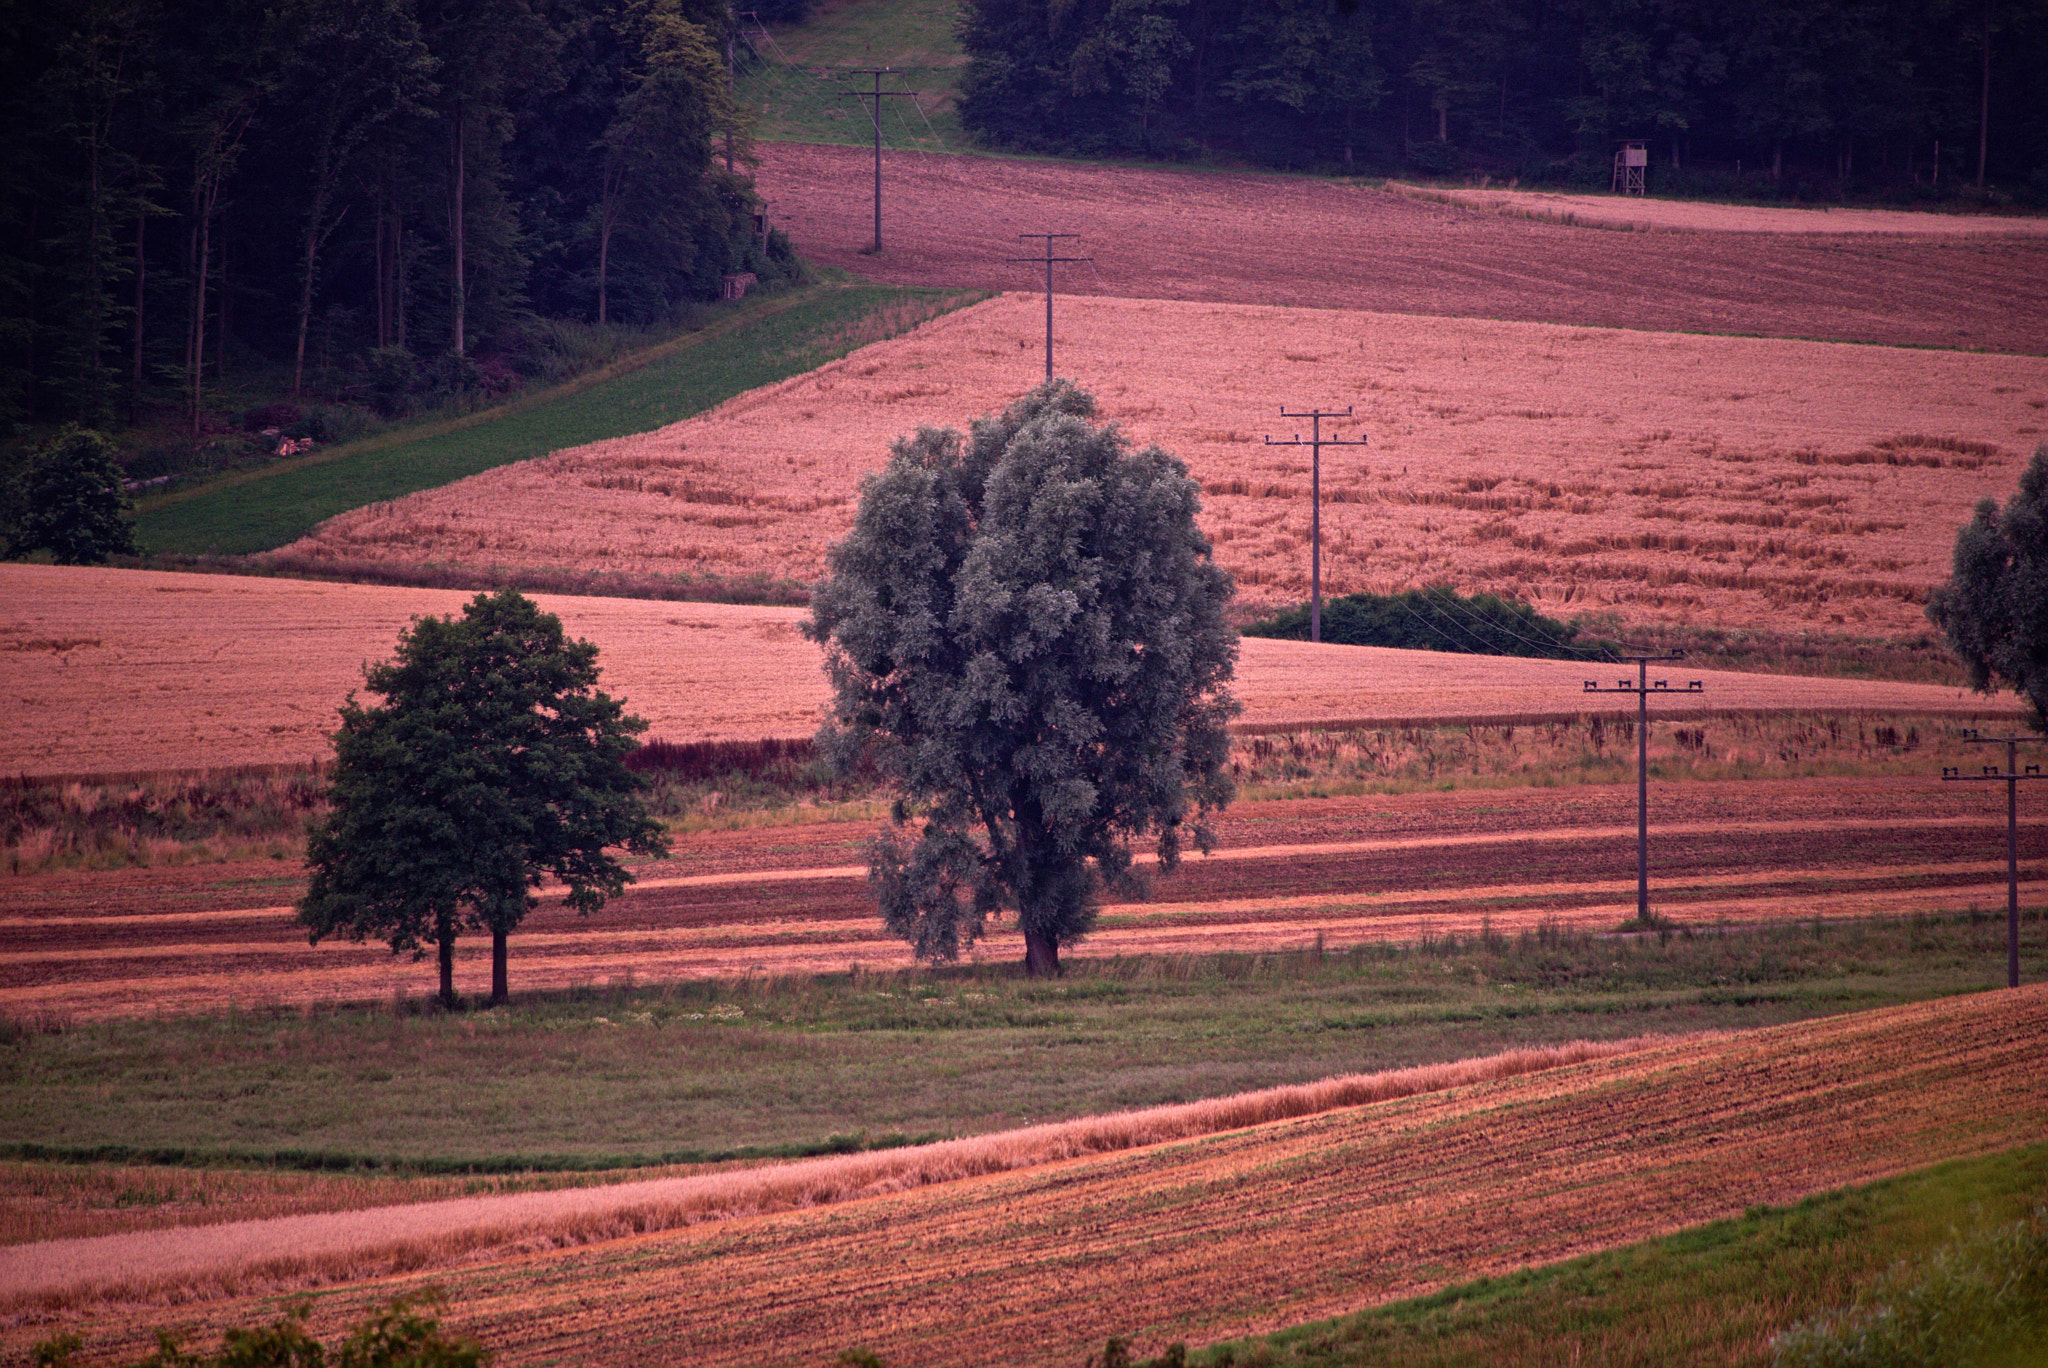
<point>1657,477</point>
<point>147,672</point>
<point>1265,1226</point>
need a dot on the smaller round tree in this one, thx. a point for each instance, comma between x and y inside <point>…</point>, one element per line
<point>73,503</point>
<point>1994,608</point>
<point>492,764</point>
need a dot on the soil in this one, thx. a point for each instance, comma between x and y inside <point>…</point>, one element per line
<point>1309,243</point>
<point>1288,875</point>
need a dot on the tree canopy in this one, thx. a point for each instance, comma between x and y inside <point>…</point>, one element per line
<point>292,185</point>
<point>71,502</point>
<point>1827,92</point>
<point>494,762</point>
<point>1994,607</point>
<point>1025,627</point>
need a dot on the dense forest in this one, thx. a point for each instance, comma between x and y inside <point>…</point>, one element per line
<point>1808,99</point>
<point>387,201</point>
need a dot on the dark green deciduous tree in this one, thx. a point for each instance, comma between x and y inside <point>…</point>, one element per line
<point>71,503</point>
<point>494,762</point>
<point>1026,627</point>
<point>1994,607</point>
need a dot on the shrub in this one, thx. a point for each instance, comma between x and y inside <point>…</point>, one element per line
<point>1980,1300</point>
<point>1437,619</point>
<point>399,1336</point>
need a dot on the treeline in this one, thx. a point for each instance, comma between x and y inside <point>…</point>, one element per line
<point>398,197</point>
<point>1824,95</point>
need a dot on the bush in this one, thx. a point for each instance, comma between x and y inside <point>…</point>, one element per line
<point>71,502</point>
<point>1981,1300</point>
<point>1437,619</point>
<point>397,1337</point>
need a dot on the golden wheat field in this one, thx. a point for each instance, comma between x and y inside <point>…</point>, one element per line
<point>1218,1235</point>
<point>1697,216</point>
<point>1717,481</point>
<point>145,671</point>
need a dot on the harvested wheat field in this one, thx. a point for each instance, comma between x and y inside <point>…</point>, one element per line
<point>1648,214</point>
<point>1220,1235</point>
<point>1662,478</point>
<point>147,671</point>
<point>1289,875</point>
<point>1248,238</point>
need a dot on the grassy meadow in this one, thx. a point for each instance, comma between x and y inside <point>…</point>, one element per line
<point>1714,1294</point>
<point>801,87</point>
<point>741,348</point>
<point>689,1072</point>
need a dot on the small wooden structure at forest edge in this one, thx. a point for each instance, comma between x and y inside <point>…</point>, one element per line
<point>1631,162</point>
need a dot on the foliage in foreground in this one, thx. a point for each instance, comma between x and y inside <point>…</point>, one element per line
<point>1716,1294</point>
<point>1027,626</point>
<point>70,502</point>
<point>1982,1299</point>
<point>1438,618</point>
<point>493,762</point>
<point>1994,608</point>
<point>399,1336</point>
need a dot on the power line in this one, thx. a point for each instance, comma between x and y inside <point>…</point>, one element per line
<point>1642,690</point>
<point>1315,444</point>
<point>1050,261</point>
<point>2012,777</point>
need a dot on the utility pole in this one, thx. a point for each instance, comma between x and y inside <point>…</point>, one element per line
<point>1642,689</point>
<point>1315,444</point>
<point>878,95</point>
<point>1050,261</point>
<point>2012,777</point>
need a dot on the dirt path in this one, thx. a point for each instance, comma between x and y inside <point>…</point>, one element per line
<point>1254,1228</point>
<point>1298,241</point>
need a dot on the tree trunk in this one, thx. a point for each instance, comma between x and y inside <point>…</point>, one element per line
<point>196,353</point>
<point>1041,954</point>
<point>135,360</point>
<point>459,298</point>
<point>500,991</point>
<point>447,939</point>
<point>314,236</point>
<point>1984,101</point>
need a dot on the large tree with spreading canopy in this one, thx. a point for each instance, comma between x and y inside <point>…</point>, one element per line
<point>1025,627</point>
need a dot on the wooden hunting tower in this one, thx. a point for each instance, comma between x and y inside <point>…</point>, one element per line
<point>1631,160</point>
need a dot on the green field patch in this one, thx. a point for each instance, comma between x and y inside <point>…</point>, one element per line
<point>1711,1295</point>
<point>800,86</point>
<point>598,1078</point>
<point>758,343</point>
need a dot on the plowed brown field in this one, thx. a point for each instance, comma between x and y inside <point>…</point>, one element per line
<point>1644,213</point>
<point>1271,1225</point>
<point>1290,874</point>
<point>1322,244</point>
<point>111,671</point>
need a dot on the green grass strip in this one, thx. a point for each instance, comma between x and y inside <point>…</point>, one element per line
<point>1713,1294</point>
<point>756,344</point>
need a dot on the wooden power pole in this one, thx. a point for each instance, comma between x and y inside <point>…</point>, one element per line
<point>1642,690</point>
<point>1315,444</point>
<point>1050,261</point>
<point>2012,776</point>
<point>877,95</point>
